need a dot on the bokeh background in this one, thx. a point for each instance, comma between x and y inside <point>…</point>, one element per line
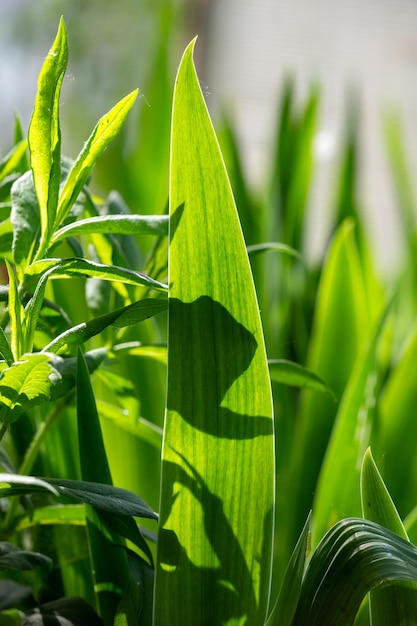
<point>359,51</point>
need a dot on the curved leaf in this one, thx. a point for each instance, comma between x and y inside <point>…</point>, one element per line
<point>115,225</point>
<point>353,557</point>
<point>293,374</point>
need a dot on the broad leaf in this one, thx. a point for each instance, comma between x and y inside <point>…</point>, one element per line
<point>215,535</point>
<point>44,133</point>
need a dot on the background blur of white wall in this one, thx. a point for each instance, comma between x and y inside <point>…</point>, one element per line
<point>246,47</point>
<point>371,45</point>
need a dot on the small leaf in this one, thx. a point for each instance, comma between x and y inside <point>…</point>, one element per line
<point>5,349</point>
<point>115,225</point>
<point>105,497</point>
<point>25,219</point>
<point>14,558</point>
<point>64,268</point>
<point>44,133</point>
<point>273,247</point>
<point>24,384</point>
<point>105,131</point>
<point>295,375</point>
<point>125,316</point>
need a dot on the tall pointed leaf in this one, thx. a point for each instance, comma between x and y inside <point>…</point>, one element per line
<point>215,535</point>
<point>44,132</point>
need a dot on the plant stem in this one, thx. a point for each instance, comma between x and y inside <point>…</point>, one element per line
<point>33,451</point>
<point>3,430</point>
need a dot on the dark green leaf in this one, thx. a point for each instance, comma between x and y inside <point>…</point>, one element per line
<point>353,557</point>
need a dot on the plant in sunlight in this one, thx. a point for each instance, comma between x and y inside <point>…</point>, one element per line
<point>264,509</point>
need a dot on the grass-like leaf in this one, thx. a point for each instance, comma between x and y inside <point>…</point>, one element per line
<point>44,133</point>
<point>295,375</point>
<point>215,535</point>
<point>283,612</point>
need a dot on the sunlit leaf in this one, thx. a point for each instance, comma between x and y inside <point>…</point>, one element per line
<point>215,535</point>
<point>44,133</point>
<point>116,225</point>
<point>105,131</point>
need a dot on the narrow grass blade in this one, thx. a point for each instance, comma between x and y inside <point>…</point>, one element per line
<point>355,556</point>
<point>286,604</point>
<point>105,131</point>
<point>396,604</point>
<point>44,133</point>
<point>116,225</point>
<point>216,519</point>
<point>109,561</point>
<point>295,375</point>
<point>15,314</point>
<point>337,493</point>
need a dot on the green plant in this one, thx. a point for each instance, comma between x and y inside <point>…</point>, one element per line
<point>229,515</point>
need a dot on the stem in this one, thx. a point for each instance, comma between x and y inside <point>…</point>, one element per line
<point>3,430</point>
<point>32,452</point>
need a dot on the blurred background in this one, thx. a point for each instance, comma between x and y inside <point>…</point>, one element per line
<point>362,56</point>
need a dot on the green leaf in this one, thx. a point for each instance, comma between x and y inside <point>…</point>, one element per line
<point>13,160</point>
<point>14,484</point>
<point>25,219</point>
<point>125,316</point>
<point>289,373</point>
<point>283,612</point>
<point>65,268</point>
<point>109,561</point>
<point>66,367</point>
<point>44,133</point>
<point>105,497</point>
<point>337,493</point>
<point>15,314</point>
<point>5,349</point>
<point>273,247</point>
<point>13,558</point>
<point>24,384</point>
<point>396,604</point>
<point>215,535</point>
<point>105,131</point>
<point>115,225</point>
<point>353,557</point>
